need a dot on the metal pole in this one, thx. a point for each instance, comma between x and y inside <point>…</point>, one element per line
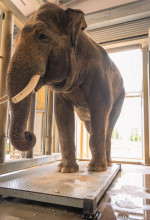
<point>56,143</point>
<point>44,124</point>
<point>31,121</point>
<point>146,104</point>
<point>1,17</point>
<point>81,140</point>
<point>87,146</point>
<point>76,137</point>
<point>49,121</point>
<point>6,48</point>
<point>54,134</point>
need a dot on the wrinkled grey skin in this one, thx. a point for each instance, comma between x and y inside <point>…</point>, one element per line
<point>54,45</point>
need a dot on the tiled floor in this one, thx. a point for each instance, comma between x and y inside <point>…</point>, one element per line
<point>127,198</point>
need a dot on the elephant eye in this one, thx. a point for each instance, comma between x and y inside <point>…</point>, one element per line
<point>43,38</point>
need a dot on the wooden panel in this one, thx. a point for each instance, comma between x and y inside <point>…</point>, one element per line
<point>41,99</point>
<point>39,133</point>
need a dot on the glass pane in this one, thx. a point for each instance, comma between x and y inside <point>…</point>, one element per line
<point>127,134</point>
<point>130,65</point>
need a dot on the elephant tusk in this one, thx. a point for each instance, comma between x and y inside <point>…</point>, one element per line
<point>3,99</point>
<point>27,90</point>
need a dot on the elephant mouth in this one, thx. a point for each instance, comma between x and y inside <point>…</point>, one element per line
<point>27,90</point>
<point>60,84</point>
<point>63,86</point>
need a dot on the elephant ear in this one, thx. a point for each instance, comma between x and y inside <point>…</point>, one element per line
<point>75,23</point>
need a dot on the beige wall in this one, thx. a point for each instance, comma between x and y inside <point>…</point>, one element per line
<point>41,99</point>
<point>38,133</point>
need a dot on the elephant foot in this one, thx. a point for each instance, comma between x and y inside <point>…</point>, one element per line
<point>109,162</point>
<point>97,166</point>
<point>66,167</point>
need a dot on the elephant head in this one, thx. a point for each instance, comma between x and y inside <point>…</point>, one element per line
<point>44,55</point>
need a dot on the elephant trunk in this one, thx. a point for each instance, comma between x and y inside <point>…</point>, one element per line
<point>18,77</point>
<point>26,67</point>
<point>19,112</point>
<point>21,139</point>
<point>19,106</point>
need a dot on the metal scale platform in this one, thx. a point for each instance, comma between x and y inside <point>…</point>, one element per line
<point>82,189</point>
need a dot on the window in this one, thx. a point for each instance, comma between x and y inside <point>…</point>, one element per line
<point>127,134</point>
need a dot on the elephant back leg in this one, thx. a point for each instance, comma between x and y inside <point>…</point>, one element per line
<point>114,114</point>
<point>100,107</point>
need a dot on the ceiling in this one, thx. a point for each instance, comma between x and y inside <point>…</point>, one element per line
<point>27,7</point>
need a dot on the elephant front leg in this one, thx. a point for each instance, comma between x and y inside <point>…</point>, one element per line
<point>64,114</point>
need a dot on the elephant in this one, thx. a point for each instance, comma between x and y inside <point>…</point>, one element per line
<point>53,49</point>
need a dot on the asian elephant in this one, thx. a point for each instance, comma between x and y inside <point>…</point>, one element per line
<point>53,49</point>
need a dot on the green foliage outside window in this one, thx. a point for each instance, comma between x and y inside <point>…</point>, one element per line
<point>135,136</point>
